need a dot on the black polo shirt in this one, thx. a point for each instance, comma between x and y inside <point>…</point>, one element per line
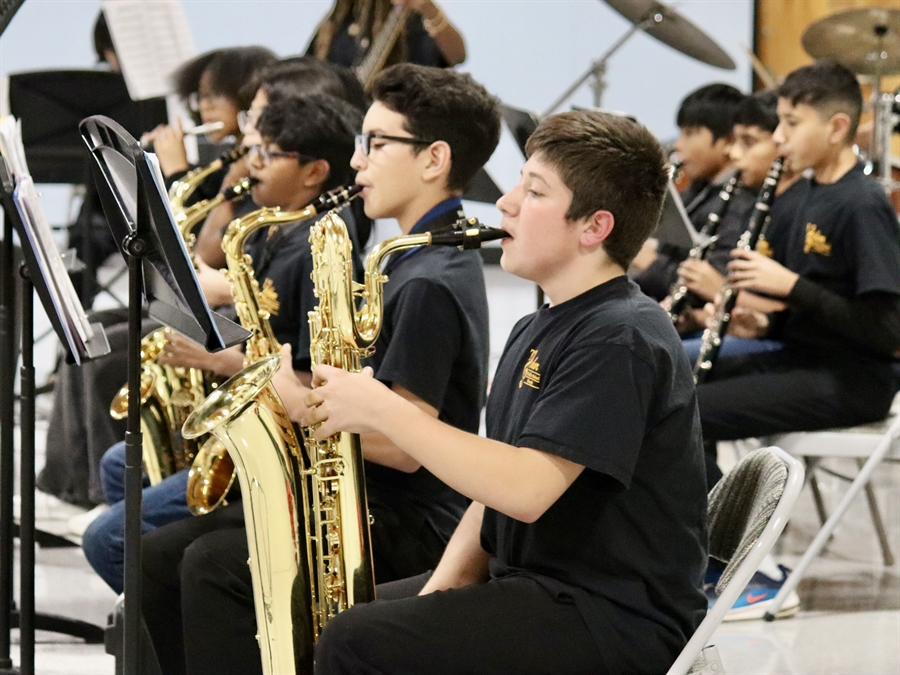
<point>842,236</point>
<point>603,381</point>
<point>434,343</point>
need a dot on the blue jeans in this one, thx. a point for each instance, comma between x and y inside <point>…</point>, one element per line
<point>104,540</point>
<point>731,346</point>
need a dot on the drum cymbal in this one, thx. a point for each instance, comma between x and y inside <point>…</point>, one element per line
<point>856,38</point>
<point>674,30</point>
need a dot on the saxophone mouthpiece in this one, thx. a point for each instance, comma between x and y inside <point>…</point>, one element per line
<point>467,234</point>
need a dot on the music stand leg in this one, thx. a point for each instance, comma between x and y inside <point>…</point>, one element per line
<point>131,638</point>
<point>26,481</point>
<point>7,423</point>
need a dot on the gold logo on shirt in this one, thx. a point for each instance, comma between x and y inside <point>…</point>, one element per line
<point>763,246</point>
<point>268,298</point>
<point>530,375</point>
<point>816,241</point>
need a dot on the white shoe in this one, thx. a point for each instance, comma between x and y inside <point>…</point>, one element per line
<point>78,524</point>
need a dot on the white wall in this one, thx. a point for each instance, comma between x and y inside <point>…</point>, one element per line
<point>525,51</point>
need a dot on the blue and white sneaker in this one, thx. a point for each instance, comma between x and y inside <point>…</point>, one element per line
<point>757,597</point>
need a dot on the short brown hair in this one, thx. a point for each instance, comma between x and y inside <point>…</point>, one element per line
<point>611,163</point>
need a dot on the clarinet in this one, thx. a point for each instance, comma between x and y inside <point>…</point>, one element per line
<point>679,295</point>
<point>759,220</point>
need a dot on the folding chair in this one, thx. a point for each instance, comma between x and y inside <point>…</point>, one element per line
<point>748,509</point>
<point>873,442</point>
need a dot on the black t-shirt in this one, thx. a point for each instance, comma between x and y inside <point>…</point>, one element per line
<point>603,381</point>
<point>434,343</point>
<point>418,46</point>
<point>842,236</point>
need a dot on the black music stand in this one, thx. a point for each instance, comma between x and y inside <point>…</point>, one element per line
<point>47,279</point>
<point>521,124</point>
<point>51,105</point>
<point>160,271</point>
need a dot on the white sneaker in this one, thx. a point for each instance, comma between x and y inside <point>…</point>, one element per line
<point>78,524</point>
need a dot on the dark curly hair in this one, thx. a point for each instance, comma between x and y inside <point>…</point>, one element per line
<point>319,126</point>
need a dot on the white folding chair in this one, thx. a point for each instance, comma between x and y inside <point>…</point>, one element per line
<point>748,509</point>
<point>871,443</point>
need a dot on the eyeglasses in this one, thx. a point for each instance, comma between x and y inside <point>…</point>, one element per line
<point>364,141</point>
<point>195,97</point>
<point>265,156</point>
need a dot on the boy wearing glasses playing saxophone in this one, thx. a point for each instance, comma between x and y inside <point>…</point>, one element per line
<point>424,138</point>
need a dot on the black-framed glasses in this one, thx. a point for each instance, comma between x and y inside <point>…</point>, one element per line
<point>364,141</point>
<point>265,156</point>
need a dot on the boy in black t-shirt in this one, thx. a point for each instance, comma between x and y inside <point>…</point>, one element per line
<point>835,266</point>
<point>705,122</point>
<point>575,549</point>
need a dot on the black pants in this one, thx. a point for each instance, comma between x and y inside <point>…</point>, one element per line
<point>198,592</point>
<point>510,626</point>
<point>177,566</point>
<point>764,394</point>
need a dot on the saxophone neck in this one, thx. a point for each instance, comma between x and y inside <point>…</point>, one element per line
<point>182,189</point>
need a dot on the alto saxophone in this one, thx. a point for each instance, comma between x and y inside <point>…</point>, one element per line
<point>169,393</point>
<point>304,506</point>
<point>712,338</point>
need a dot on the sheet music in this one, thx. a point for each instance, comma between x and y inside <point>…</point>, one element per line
<point>152,39</point>
<point>52,267</point>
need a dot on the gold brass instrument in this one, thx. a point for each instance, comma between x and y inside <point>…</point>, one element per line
<point>212,472</point>
<point>712,338</point>
<point>181,190</point>
<point>169,393</point>
<point>319,559</point>
<point>679,295</point>
<point>381,48</point>
<point>188,218</point>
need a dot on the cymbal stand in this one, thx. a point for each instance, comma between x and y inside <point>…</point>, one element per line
<point>597,70</point>
<point>882,112</point>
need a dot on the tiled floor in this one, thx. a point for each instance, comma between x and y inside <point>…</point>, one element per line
<point>849,620</point>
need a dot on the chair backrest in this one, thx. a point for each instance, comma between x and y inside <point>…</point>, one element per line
<point>748,509</point>
<point>740,505</point>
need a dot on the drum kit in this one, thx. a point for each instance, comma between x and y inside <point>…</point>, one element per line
<point>866,40</point>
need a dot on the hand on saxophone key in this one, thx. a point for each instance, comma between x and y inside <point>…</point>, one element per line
<point>344,401</point>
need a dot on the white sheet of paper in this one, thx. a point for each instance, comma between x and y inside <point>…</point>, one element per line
<point>152,39</point>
